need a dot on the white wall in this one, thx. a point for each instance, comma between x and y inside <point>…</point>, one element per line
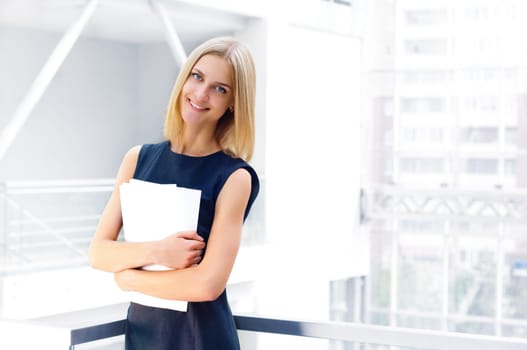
<point>312,170</point>
<point>107,97</point>
<point>255,37</point>
<point>81,126</point>
<point>156,74</point>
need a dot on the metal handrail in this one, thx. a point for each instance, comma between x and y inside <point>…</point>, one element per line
<point>343,331</point>
<point>71,329</point>
<point>75,328</point>
<point>375,334</point>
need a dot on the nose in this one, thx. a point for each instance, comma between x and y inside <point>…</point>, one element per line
<point>202,93</point>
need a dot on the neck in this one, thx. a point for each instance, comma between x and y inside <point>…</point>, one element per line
<point>196,145</point>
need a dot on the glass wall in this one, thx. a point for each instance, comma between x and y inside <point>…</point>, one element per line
<point>448,111</point>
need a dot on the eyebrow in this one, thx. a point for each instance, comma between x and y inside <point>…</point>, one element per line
<point>217,82</point>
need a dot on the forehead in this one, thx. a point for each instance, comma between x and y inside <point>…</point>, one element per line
<point>215,68</point>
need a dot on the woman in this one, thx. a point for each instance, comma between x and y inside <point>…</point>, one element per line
<point>210,136</point>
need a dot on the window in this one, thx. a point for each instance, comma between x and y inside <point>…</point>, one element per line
<point>425,77</point>
<point>515,280</point>
<point>509,167</point>
<point>422,165</point>
<point>460,79</point>
<point>476,45</point>
<point>479,135</point>
<point>511,136</point>
<point>423,105</point>
<point>481,166</point>
<point>426,17</point>
<point>475,14</point>
<point>479,104</point>
<point>479,75</point>
<point>423,135</point>
<point>409,134</point>
<point>426,47</point>
<point>511,106</point>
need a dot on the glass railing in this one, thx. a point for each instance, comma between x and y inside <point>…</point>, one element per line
<point>450,261</point>
<point>48,225</point>
<point>103,328</point>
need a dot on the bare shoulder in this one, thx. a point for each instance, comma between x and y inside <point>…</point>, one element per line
<point>133,153</point>
<point>240,176</point>
<point>238,184</point>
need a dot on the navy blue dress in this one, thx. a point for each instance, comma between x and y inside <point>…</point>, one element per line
<point>205,325</point>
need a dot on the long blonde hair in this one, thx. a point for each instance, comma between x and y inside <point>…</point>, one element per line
<point>235,129</point>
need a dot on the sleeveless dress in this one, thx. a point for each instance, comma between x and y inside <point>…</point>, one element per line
<point>205,325</point>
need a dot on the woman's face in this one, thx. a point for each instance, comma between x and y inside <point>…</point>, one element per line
<point>208,91</point>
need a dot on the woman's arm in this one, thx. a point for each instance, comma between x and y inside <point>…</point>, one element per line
<point>206,281</point>
<point>105,253</point>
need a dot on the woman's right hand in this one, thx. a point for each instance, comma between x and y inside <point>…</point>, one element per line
<point>180,250</point>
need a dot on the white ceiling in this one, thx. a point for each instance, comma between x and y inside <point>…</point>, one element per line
<point>123,20</point>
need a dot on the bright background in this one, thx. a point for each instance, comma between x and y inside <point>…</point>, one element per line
<point>390,146</point>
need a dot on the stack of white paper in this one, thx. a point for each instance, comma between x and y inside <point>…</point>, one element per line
<point>152,212</point>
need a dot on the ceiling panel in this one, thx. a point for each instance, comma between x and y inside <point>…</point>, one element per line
<point>123,20</point>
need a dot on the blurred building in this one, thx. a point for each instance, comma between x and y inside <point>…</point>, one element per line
<point>447,88</point>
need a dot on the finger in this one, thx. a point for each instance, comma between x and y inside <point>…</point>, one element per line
<point>197,237</point>
<point>186,234</point>
<point>196,245</point>
<point>198,253</point>
<point>190,235</point>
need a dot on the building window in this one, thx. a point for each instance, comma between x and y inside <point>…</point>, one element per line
<point>422,165</point>
<point>479,104</point>
<point>511,136</point>
<point>425,77</point>
<point>510,167</point>
<point>423,105</point>
<point>476,45</point>
<point>479,135</point>
<point>510,106</point>
<point>435,135</point>
<point>426,17</point>
<point>481,166</point>
<point>410,134</point>
<point>479,75</point>
<point>476,14</point>
<point>426,47</point>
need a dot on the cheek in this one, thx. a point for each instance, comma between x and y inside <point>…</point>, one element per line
<point>182,99</point>
<point>228,101</point>
<point>186,87</point>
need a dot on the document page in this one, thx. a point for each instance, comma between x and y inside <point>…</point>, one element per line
<point>152,212</point>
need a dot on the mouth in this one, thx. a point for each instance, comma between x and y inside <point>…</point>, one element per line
<point>196,106</point>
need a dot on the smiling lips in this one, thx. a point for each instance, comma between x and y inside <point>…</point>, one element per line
<point>198,107</point>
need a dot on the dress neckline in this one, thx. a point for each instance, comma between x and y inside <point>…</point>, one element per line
<point>167,145</point>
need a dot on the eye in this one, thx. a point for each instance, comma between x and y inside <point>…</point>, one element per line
<point>196,76</point>
<point>221,89</point>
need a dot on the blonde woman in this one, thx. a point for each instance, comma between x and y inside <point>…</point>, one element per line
<point>209,129</point>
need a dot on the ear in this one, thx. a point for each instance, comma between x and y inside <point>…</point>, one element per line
<point>231,109</point>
